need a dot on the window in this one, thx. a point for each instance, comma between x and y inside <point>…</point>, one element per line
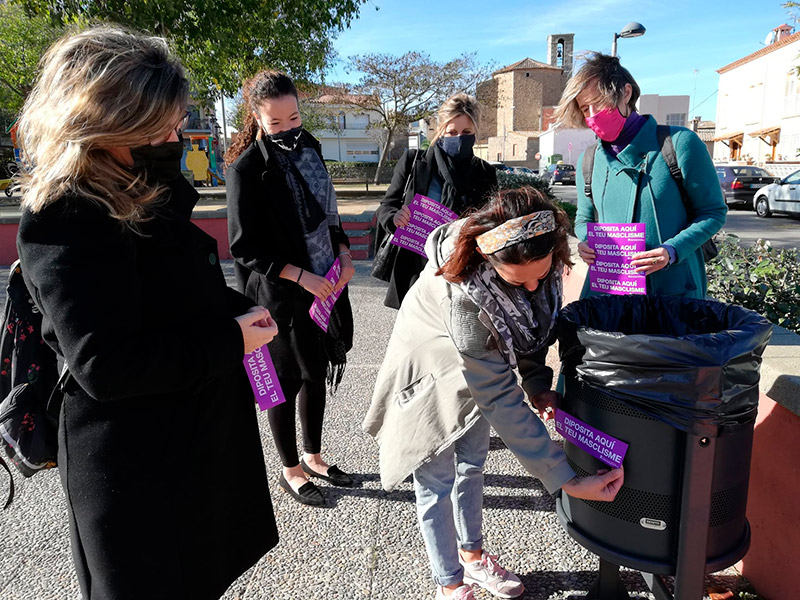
<point>794,178</point>
<point>513,150</point>
<point>676,119</point>
<point>720,173</point>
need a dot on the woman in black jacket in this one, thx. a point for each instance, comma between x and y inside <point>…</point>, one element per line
<point>159,449</point>
<point>285,234</point>
<point>447,172</point>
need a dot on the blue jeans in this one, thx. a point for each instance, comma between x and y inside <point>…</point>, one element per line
<point>449,491</point>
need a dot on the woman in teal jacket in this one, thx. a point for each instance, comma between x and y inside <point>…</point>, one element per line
<point>631,182</point>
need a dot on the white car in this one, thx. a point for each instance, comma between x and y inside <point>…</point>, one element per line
<point>780,197</point>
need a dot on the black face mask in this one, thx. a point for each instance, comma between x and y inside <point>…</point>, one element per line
<point>161,163</point>
<point>458,147</point>
<point>288,139</point>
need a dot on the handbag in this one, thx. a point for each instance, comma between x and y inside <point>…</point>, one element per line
<point>385,255</point>
<point>386,252</point>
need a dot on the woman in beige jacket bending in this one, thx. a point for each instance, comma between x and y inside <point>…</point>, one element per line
<point>485,305</point>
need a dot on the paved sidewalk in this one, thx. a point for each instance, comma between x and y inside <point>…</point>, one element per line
<point>366,546</point>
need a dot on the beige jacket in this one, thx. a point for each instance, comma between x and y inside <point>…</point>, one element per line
<point>442,370</point>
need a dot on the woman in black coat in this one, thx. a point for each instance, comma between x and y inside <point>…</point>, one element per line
<point>285,234</point>
<point>159,447</point>
<point>447,172</point>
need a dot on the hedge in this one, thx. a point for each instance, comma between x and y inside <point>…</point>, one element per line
<point>759,277</point>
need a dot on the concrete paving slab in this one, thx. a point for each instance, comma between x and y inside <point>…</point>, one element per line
<point>366,546</point>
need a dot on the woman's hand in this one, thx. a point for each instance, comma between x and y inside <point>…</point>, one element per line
<point>258,328</point>
<point>348,270</point>
<point>402,217</point>
<point>317,285</point>
<point>545,403</point>
<point>650,261</point>
<point>586,253</point>
<point>603,486</point>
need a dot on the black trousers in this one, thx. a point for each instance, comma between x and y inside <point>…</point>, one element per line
<point>309,398</point>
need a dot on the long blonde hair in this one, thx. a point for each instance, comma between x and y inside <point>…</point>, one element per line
<point>455,106</point>
<point>102,88</point>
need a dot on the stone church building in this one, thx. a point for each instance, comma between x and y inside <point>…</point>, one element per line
<point>518,101</point>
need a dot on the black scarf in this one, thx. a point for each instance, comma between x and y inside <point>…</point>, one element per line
<point>456,179</point>
<point>338,340</point>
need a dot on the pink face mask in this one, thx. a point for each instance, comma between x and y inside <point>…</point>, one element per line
<point>607,124</point>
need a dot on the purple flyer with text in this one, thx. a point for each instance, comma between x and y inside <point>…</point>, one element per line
<point>321,311</point>
<point>614,245</point>
<point>263,378</point>
<point>426,215</point>
<point>600,445</point>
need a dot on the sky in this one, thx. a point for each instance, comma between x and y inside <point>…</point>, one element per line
<point>685,43</point>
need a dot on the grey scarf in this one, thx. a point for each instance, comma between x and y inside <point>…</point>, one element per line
<point>315,200</point>
<point>523,321</point>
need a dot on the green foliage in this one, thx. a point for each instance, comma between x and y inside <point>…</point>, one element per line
<point>513,181</point>
<point>761,278</point>
<point>360,171</point>
<point>23,41</point>
<point>222,42</point>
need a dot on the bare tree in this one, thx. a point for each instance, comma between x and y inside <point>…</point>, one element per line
<point>407,88</point>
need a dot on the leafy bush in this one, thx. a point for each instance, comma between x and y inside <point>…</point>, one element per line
<point>360,171</point>
<point>761,278</point>
<point>513,181</point>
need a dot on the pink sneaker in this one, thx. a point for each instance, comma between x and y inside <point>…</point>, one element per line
<point>462,593</point>
<point>488,574</point>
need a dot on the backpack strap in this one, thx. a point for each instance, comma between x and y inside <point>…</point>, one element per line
<point>667,149</point>
<point>586,167</point>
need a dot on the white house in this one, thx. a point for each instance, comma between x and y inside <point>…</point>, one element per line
<point>348,139</point>
<point>569,143</point>
<point>758,103</point>
<point>667,110</point>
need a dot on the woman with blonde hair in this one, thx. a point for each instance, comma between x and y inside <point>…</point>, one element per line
<point>447,172</point>
<point>630,179</point>
<point>159,450</point>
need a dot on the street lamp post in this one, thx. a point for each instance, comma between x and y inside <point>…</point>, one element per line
<point>632,29</point>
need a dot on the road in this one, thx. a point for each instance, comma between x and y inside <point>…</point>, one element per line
<point>780,230</point>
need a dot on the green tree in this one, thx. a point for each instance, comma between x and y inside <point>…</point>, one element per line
<point>407,88</point>
<point>23,40</point>
<point>222,42</point>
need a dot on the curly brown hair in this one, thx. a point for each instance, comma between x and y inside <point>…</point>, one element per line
<point>504,206</point>
<point>265,85</point>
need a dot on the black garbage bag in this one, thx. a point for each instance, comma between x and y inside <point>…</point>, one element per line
<point>693,364</point>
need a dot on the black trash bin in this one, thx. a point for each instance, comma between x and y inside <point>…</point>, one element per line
<point>677,380</point>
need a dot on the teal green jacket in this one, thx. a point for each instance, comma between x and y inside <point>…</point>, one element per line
<point>656,201</point>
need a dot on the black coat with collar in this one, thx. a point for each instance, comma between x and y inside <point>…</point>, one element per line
<point>159,447</point>
<point>265,234</point>
<point>421,167</point>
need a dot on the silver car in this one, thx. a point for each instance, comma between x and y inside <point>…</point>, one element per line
<point>780,197</point>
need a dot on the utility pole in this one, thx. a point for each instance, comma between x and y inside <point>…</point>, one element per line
<point>224,126</point>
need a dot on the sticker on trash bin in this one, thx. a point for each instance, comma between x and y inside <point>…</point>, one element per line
<point>600,445</point>
<point>614,245</point>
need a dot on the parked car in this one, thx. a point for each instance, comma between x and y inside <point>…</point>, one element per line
<point>739,183</point>
<point>524,171</point>
<point>563,173</point>
<point>783,196</point>
<point>501,166</point>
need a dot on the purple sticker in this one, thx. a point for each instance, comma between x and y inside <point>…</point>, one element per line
<point>321,311</point>
<point>600,445</point>
<point>614,245</point>
<point>263,378</point>
<point>426,215</point>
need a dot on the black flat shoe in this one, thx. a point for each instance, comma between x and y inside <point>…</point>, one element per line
<point>335,475</point>
<point>307,494</point>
